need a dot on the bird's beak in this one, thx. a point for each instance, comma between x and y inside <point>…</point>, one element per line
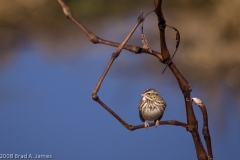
<point>142,94</point>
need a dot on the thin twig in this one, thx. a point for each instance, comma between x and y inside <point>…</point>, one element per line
<point>205,130</point>
<point>95,39</point>
<point>131,127</point>
<point>114,56</point>
<point>177,43</point>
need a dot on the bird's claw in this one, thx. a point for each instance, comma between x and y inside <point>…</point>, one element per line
<point>157,123</point>
<point>146,125</point>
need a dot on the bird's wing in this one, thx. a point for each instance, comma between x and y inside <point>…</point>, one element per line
<point>140,115</point>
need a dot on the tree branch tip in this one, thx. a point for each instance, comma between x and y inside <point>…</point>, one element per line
<point>65,9</point>
<point>197,101</point>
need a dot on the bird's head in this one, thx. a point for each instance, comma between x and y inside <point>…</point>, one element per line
<point>150,94</point>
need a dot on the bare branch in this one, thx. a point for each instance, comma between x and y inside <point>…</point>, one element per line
<point>205,130</point>
<point>114,56</point>
<point>161,26</point>
<point>131,127</point>
<point>183,84</point>
<point>177,43</point>
<point>164,57</point>
<point>95,39</point>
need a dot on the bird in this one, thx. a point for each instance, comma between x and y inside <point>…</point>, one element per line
<point>151,107</point>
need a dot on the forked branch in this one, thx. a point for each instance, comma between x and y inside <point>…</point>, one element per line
<point>135,49</point>
<point>164,57</point>
<point>95,39</point>
<point>183,84</point>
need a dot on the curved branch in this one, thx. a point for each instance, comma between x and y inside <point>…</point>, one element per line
<point>205,130</point>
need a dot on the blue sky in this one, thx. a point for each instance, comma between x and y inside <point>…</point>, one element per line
<point>46,108</point>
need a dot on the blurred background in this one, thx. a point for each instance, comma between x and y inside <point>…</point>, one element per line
<point>48,69</point>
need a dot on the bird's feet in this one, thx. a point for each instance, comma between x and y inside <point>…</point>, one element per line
<point>157,123</point>
<point>146,125</point>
